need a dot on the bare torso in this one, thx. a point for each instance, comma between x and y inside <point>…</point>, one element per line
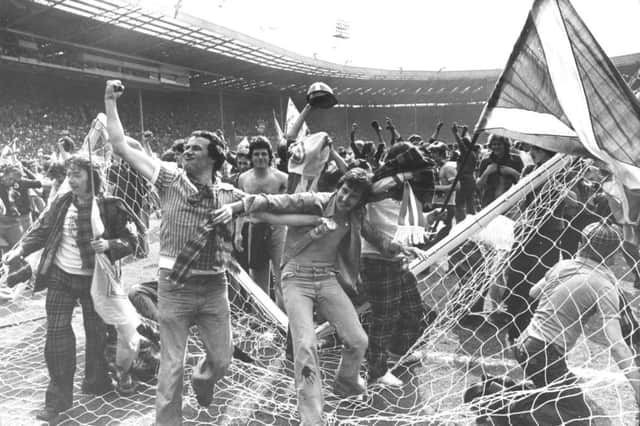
<point>263,181</point>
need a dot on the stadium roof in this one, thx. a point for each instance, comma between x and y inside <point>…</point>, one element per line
<point>219,58</point>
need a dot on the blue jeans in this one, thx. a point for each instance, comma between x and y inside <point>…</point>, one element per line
<point>306,286</point>
<point>202,301</point>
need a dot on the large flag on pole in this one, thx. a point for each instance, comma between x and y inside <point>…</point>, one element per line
<point>560,91</point>
<point>292,116</point>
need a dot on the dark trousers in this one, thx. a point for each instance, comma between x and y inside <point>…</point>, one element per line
<point>526,268</point>
<point>60,348</point>
<point>545,364</point>
<point>397,312</point>
<point>465,198</point>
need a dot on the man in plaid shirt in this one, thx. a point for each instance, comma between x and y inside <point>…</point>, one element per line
<point>198,294</point>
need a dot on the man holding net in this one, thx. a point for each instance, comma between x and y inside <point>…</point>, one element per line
<point>569,295</point>
<point>198,294</point>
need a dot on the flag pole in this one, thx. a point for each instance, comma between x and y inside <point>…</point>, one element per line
<point>483,115</point>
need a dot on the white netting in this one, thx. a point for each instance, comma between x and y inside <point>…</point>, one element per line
<point>452,354</point>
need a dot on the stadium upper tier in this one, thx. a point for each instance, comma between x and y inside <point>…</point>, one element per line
<point>117,38</point>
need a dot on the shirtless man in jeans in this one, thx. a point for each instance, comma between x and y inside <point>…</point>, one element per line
<point>319,262</point>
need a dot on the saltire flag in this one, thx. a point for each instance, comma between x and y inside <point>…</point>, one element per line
<point>292,116</point>
<point>307,160</point>
<point>560,91</point>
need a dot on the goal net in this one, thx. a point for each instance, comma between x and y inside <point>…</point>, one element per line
<point>463,281</point>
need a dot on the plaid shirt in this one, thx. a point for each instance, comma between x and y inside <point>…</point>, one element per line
<point>187,240</point>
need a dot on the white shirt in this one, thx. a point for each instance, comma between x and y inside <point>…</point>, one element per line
<point>68,254</point>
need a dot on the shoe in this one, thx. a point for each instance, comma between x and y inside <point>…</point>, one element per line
<point>202,383</point>
<point>345,389</point>
<point>47,414</point>
<point>125,385</point>
<point>388,380</point>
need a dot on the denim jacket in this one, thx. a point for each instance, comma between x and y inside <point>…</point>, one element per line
<point>323,204</point>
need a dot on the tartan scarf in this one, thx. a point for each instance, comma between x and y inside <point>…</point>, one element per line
<point>221,239</point>
<point>84,234</point>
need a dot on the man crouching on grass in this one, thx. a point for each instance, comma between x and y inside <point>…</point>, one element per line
<point>318,263</point>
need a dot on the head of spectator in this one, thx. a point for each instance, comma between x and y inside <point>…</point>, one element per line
<point>57,172</point>
<point>80,172</point>
<point>455,155</point>
<point>243,161</point>
<point>499,146</point>
<point>359,163</point>
<point>9,173</point>
<point>415,139</point>
<point>438,152</point>
<point>330,177</point>
<point>353,189</point>
<point>204,151</point>
<point>540,155</point>
<point>349,157</point>
<point>169,156</point>
<point>178,149</point>
<point>359,144</point>
<point>369,149</point>
<point>600,241</point>
<point>260,152</point>
<point>342,151</point>
<point>30,165</point>
<point>178,146</point>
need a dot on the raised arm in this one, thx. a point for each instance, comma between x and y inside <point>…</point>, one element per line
<point>292,132</point>
<point>139,160</point>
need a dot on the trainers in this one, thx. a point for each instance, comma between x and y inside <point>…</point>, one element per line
<point>202,383</point>
<point>344,389</point>
<point>47,414</point>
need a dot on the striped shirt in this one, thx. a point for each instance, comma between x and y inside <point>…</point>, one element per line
<point>183,212</point>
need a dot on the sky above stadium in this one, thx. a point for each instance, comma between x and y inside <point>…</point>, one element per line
<point>407,34</point>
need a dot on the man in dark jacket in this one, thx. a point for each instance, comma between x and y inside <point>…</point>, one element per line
<point>66,270</point>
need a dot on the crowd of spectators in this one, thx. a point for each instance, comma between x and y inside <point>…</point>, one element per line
<point>37,110</point>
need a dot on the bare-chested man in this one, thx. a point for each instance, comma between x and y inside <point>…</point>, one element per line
<point>266,242</point>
